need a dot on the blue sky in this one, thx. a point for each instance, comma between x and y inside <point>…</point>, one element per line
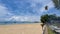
<point>25,10</point>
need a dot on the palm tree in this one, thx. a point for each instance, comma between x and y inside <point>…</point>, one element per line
<point>56,3</point>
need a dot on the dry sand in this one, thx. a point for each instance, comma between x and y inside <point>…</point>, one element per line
<point>21,29</point>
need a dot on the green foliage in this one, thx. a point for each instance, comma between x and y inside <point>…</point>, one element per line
<point>44,18</point>
<point>56,3</point>
<point>50,31</point>
<point>52,16</point>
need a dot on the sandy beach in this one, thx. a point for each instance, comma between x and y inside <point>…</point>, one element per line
<point>34,28</point>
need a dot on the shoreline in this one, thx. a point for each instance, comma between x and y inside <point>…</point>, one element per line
<point>17,23</point>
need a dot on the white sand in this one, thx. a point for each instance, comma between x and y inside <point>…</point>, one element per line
<point>21,29</point>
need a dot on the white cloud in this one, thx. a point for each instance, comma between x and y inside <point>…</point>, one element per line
<point>24,18</point>
<point>34,3</point>
<point>4,12</point>
<point>50,5</point>
<point>44,3</point>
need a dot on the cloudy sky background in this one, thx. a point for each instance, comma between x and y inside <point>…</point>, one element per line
<point>25,10</point>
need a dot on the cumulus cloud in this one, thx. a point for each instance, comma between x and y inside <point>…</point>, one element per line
<point>42,4</point>
<point>4,12</point>
<point>50,5</point>
<point>24,18</point>
<point>32,8</point>
<point>26,6</point>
